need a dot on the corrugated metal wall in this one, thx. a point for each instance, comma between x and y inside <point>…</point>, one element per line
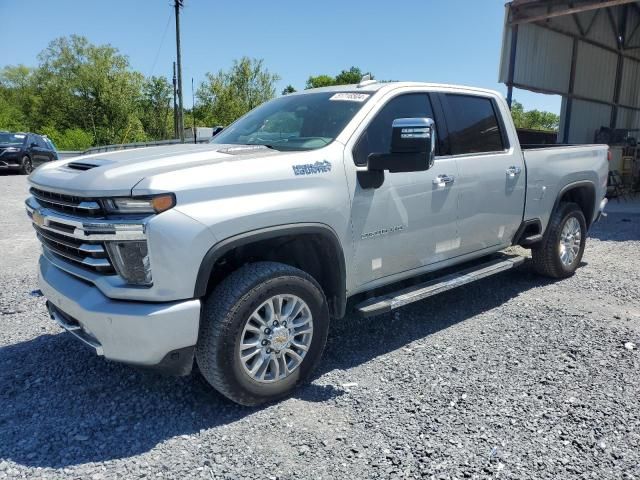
<point>543,63</point>
<point>595,72</point>
<point>630,87</point>
<point>586,119</point>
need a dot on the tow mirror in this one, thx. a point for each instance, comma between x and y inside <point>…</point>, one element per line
<point>413,145</point>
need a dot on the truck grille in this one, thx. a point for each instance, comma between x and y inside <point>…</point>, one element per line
<point>89,255</point>
<point>69,204</point>
<point>63,236</point>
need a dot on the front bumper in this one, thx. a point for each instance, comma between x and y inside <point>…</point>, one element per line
<point>160,335</point>
<point>11,160</point>
<point>9,165</point>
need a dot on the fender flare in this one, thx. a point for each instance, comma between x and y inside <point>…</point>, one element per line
<point>224,246</point>
<point>571,186</point>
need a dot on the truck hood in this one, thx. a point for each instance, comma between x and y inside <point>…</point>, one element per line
<point>116,173</point>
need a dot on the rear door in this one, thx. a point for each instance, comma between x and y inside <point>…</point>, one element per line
<point>40,151</point>
<point>491,175</point>
<point>52,153</point>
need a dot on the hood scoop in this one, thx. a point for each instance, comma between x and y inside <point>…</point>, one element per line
<point>87,165</point>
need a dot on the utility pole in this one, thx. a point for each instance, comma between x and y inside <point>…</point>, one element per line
<point>178,5</point>
<point>193,113</point>
<point>175,103</point>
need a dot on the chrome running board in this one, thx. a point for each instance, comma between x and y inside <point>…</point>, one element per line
<point>386,303</point>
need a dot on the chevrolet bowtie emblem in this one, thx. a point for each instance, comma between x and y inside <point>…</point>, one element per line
<point>38,218</point>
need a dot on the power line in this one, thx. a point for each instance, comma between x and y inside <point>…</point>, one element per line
<point>166,27</point>
<point>177,5</point>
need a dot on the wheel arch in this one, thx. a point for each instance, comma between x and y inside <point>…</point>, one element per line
<point>583,193</point>
<point>290,244</point>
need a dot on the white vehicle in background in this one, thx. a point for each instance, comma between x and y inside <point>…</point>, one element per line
<point>239,252</point>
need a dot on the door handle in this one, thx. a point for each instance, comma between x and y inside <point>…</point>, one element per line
<point>443,180</point>
<point>513,171</point>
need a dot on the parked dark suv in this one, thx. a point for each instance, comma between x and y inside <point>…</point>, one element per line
<point>25,151</point>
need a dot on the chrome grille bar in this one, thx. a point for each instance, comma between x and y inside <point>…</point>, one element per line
<point>82,247</point>
<point>72,232</point>
<point>66,203</point>
<point>100,264</point>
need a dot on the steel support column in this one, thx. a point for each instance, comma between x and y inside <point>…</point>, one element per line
<point>512,63</point>
<point>569,107</point>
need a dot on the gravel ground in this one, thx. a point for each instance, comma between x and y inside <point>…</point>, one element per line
<point>511,377</point>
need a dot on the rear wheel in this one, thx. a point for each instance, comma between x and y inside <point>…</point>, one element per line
<point>262,332</point>
<point>26,167</point>
<point>560,251</point>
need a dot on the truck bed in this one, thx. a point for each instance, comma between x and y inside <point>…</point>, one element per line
<point>550,168</point>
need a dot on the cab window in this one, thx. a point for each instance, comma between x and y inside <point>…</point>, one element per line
<point>473,125</point>
<point>377,136</point>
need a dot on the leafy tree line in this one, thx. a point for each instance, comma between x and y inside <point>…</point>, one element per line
<point>81,95</point>
<point>534,119</point>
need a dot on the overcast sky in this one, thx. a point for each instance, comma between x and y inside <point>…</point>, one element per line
<point>452,41</point>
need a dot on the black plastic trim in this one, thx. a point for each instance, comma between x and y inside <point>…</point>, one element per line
<point>571,186</point>
<point>370,178</point>
<point>225,246</point>
<point>518,239</point>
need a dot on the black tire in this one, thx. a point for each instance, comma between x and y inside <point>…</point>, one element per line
<point>546,254</point>
<point>227,309</point>
<point>26,167</point>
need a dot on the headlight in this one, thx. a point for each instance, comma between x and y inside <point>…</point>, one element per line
<point>12,149</point>
<point>154,204</point>
<point>131,260</point>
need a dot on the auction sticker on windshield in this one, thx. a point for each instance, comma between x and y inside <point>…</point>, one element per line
<point>349,97</point>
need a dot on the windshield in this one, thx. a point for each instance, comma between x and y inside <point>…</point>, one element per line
<point>295,122</point>
<point>12,138</point>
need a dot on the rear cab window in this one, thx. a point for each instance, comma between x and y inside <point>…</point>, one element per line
<point>474,125</point>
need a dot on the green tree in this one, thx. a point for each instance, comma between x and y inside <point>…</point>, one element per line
<point>17,98</point>
<point>320,81</point>
<point>155,108</point>
<point>533,119</point>
<point>345,77</point>
<point>70,139</point>
<point>88,86</point>
<point>227,95</point>
<point>288,89</point>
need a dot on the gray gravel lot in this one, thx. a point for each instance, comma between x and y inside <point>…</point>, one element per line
<point>512,377</point>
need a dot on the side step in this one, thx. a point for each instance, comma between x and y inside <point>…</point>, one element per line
<point>391,301</point>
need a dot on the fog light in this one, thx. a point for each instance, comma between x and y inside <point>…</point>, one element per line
<point>131,261</point>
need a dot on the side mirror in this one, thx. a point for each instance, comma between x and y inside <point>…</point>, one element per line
<point>216,130</point>
<point>33,145</point>
<point>413,146</point>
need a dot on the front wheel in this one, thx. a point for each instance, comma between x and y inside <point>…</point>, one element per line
<point>262,332</point>
<point>560,251</point>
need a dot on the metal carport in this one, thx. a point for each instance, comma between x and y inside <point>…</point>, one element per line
<point>587,51</point>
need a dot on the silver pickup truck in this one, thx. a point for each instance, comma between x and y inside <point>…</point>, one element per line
<point>237,253</point>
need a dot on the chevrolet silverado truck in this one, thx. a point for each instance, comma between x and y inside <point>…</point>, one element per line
<point>236,254</point>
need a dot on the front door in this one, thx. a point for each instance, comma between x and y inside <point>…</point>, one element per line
<point>410,220</point>
<point>491,180</point>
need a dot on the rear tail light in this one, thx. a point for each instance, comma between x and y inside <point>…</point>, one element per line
<point>609,155</point>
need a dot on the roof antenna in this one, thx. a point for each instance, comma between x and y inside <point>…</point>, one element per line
<point>366,80</point>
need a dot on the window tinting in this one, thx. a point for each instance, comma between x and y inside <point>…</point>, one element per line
<point>377,137</point>
<point>40,141</point>
<point>473,126</point>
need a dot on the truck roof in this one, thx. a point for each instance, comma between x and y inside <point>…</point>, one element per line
<point>373,86</point>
